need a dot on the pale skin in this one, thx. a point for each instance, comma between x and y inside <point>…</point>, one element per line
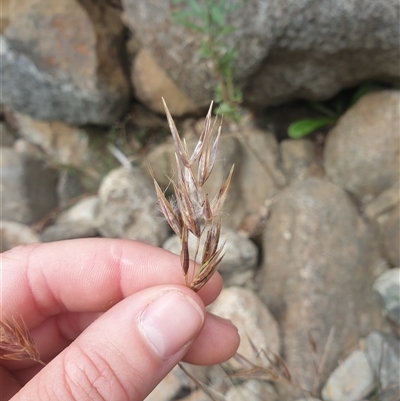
<point>109,317</point>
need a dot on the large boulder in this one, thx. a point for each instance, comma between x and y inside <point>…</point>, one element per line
<point>317,277</point>
<point>151,84</point>
<point>62,61</point>
<point>285,48</point>
<point>323,46</point>
<point>362,152</point>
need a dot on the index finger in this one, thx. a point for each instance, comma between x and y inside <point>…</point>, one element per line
<point>85,275</point>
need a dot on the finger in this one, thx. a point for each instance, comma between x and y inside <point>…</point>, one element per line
<point>86,275</point>
<point>51,337</point>
<point>219,337</point>
<point>126,352</point>
<point>8,385</point>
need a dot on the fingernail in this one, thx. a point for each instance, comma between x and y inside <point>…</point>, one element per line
<point>170,322</point>
<point>224,320</point>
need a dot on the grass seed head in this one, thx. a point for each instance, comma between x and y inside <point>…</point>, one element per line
<point>16,343</point>
<point>194,212</point>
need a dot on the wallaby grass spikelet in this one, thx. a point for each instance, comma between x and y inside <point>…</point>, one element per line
<point>192,210</point>
<point>16,343</point>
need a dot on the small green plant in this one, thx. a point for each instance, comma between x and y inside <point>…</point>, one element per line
<point>209,18</point>
<point>329,115</point>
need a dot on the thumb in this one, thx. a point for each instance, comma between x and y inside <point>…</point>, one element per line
<point>126,352</point>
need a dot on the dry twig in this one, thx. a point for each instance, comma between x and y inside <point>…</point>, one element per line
<point>213,394</point>
<point>16,343</point>
<point>191,210</point>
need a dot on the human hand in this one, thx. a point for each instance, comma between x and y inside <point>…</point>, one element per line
<point>109,317</point>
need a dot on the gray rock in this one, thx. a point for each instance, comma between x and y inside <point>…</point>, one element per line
<point>383,354</point>
<point>59,232</point>
<point>387,286</point>
<point>384,211</point>
<point>28,187</point>
<point>216,378</point>
<point>63,144</point>
<point>67,54</point>
<point>308,399</point>
<point>168,388</point>
<point>83,211</point>
<point>384,202</point>
<point>257,328</point>
<point>285,49</point>
<point>240,254</point>
<point>312,58</point>
<point>177,380</point>
<point>317,277</point>
<point>6,136</point>
<point>362,152</point>
<point>390,234</point>
<point>298,158</point>
<point>198,395</point>
<point>4,17</point>
<point>69,186</point>
<point>252,390</point>
<point>259,169</point>
<point>197,371</point>
<point>13,234</point>
<point>352,380</point>
<point>150,83</point>
<point>391,394</point>
<point>128,207</point>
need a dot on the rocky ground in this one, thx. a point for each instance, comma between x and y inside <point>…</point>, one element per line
<point>312,265</point>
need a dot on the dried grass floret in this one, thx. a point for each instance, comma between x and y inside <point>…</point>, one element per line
<point>16,343</point>
<point>194,212</point>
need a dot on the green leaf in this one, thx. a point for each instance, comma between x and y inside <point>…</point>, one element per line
<point>225,62</point>
<point>237,96</point>
<point>224,108</point>
<point>228,111</point>
<point>205,50</point>
<point>226,29</point>
<point>238,5</point>
<point>217,15</point>
<point>183,18</point>
<point>196,9</point>
<point>301,128</point>
<point>218,93</point>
